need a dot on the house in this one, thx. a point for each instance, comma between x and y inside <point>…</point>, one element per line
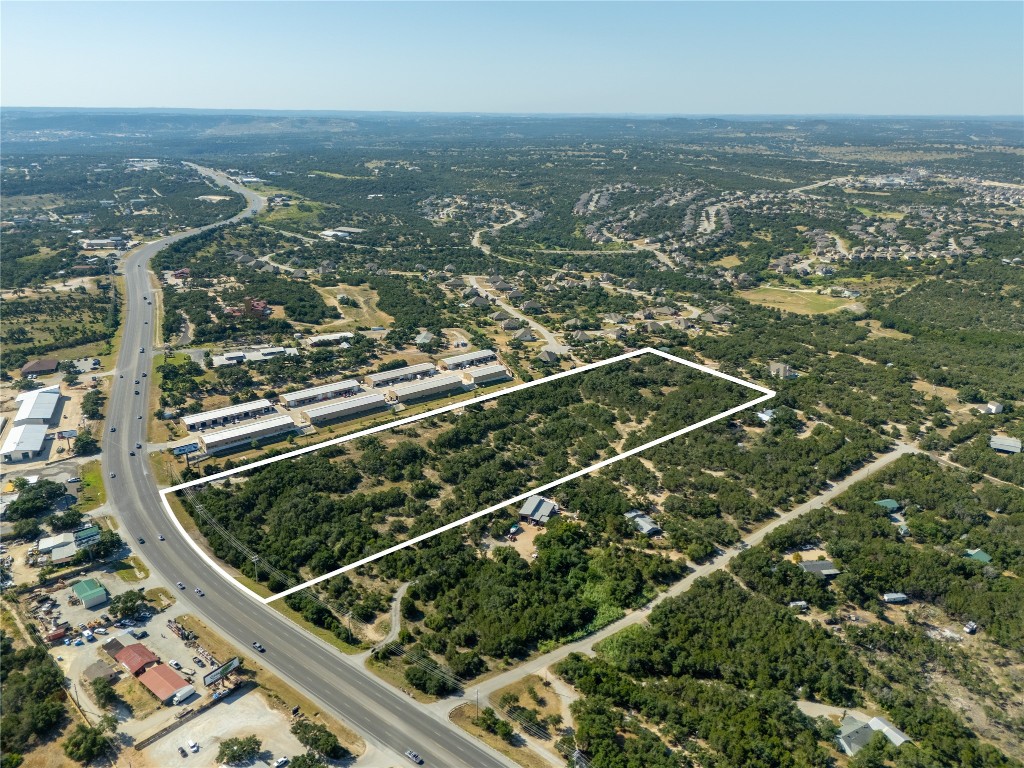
<point>581,337</point>
<point>780,371</point>
<point>424,338</point>
<point>855,734</point>
<point>979,555</point>
<point>1005,444</point>
<point>537,510</point>
<point>894,598</point>
<point>512,324</point>
<point>90,592</point>
<point>530,306</point>
<point>823,569</point>
<point>992,408</point>
<point>800,605</point>
<point>643,522</point>
<point>479,301</point>
<point>524,335</point>
<point>135,658</point>
<point>99,670</point>
<point>547,357</point>
<point>112,647</point>
<point>40,367</point>
<point>766,415</point>
<point>499,316</point>
<point>889,505</point>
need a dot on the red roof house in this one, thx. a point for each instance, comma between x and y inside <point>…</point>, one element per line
<point>162,681</point>
<point>136,657</point>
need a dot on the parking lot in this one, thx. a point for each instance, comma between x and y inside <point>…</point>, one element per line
<point>239,715</point>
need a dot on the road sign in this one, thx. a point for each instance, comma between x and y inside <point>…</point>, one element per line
<point>181,450</point>
<point>67,434</point>
<point>212,677</point>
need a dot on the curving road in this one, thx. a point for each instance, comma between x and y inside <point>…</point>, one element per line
<point>388,721</point>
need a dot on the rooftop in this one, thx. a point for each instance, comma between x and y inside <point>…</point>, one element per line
<point>24,438</point>
<point>162,681</point>
<point>227,412</point>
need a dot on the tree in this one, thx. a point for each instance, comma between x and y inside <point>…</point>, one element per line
<point>104,692</point>
<point>239,750</point>
<point>127,603</point>
<point>86,444</point>
<point>308,760</point>
<point>85,744</point>
<point>319,739</point>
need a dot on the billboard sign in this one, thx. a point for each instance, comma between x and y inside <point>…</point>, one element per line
<point>67,434</point>
<point>181,450</point>
<point>218,674</point>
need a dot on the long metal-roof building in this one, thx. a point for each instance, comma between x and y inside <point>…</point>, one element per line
<point>228,415</point>
<point>23,442</point>
<point>37,406</point>
<point>416,390</point>
<point>321,393</point>
<point>485,374</point>
<point>243,434</point>
<point>343,409</point>
<point>408,373</point>
<point>468,359</point>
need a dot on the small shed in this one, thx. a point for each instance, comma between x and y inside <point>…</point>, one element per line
<point>90,592</point>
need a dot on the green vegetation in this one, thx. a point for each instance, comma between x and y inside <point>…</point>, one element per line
<point>237,751</point>
<point>33,697</point>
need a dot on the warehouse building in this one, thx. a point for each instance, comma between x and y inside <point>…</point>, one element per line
<point>486,374</point>
<point>417,390</point>
<point>163,682</point>
<point>467,360</point>
<point>408,373</point>
<point>321,393</point>
<point>229,415</point>
<point>90,592</point>
<point>1005,444</point>
<point>344,409</point>
<point>24,443</point>
<point>37,406</point>
<point>232,437</point>
<point>329,339</point>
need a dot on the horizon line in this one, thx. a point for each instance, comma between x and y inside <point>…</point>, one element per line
<point>521,114</point>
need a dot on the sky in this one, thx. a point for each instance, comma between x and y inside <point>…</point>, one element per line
<point>686,58</point>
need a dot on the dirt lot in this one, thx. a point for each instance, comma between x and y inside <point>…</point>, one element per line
<point>239,715</point>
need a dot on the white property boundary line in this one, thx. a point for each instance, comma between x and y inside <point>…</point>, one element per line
<point>767,394</point>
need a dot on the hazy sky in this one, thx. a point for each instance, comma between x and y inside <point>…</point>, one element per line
<point>663,57</point>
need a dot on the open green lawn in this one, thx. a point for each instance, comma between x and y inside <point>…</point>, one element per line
<point>798,302</point>
<point>93,494</point>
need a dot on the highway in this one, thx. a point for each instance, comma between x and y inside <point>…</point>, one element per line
<point>388,721</point>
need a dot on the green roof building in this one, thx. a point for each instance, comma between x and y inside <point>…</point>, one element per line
<point>978,554</point>
<point>90,592</point>
<point>890,505</point>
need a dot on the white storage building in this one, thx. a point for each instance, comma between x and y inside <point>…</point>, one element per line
<point>232,437</point>
<point>37,406</point>
<point>24,441</point>
<point>408,373</point>
<point>343,409</point>
<point>485,374</point>
<point>468,359</point>
<point>321,393</point>
<point>415,390</point>
<point>229,415</point>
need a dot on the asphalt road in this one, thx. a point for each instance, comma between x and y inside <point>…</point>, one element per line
<point>387,720</point>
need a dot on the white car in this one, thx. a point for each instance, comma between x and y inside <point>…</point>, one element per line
<point>181,585</point>
<point>193,745</point>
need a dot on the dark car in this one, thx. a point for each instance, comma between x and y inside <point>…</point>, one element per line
<point>182,752</point>
<point>141,540</point>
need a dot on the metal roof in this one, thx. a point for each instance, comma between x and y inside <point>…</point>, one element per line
<point>227,412</point>
<point>323,389</point>
<point>348,405</point>
<point>241,431</point>
<point>397,373</point>
<point>37,404</point>
<point>24,438</point>
<point>469,357</point>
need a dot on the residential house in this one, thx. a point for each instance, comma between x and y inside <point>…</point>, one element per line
<point>537,510</point>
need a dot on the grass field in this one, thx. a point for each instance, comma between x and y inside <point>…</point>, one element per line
<point>93,494</point>
<point>896,215</point>
<point>131,569</point>
<point>797,302</point>
<point>728,262</point>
